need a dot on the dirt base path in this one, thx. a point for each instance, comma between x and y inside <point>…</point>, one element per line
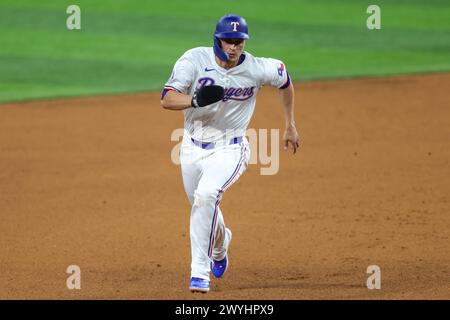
<point>90,182</point>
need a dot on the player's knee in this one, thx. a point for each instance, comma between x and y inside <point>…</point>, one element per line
<point>202,197</point>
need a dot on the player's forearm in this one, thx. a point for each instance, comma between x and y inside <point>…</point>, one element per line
<point>287,99</point>
<point>174,100</point>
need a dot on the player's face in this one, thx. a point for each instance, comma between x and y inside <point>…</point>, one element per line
<point>234,48</point>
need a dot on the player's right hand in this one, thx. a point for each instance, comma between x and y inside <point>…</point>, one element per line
<point>207,95</point>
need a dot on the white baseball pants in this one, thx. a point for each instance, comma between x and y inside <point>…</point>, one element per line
<point>207,174</point>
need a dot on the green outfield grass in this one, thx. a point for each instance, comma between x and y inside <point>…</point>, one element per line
<point>131,45</point>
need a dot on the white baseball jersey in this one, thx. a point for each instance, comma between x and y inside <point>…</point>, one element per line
<point>197,67</point>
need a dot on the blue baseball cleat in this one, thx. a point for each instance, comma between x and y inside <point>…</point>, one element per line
<point>219,267</point>
<point>199,285</point>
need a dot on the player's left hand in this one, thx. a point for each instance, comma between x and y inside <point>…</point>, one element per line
<point>291,137</point>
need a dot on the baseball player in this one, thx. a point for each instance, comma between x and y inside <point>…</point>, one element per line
<point>216,89</point>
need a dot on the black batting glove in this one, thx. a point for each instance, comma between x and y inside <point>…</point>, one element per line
<point>207,95</point>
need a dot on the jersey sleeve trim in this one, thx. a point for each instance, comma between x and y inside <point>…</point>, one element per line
<point>167,89</point>
<point>288,82</point>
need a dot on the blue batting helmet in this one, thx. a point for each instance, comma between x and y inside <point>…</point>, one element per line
<point>230,26</point>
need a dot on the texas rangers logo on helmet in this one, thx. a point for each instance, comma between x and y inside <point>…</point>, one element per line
<point>235,24</point>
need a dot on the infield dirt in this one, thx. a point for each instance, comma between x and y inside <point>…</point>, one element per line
<point>90,182</point>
